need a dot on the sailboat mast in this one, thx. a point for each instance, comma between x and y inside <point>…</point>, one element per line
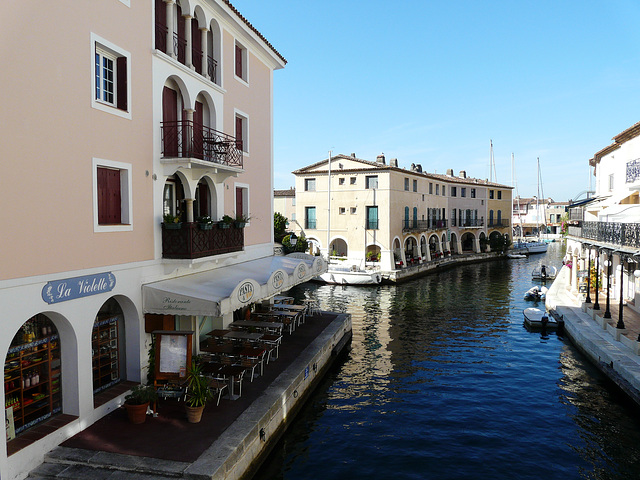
<point>538,202</point>
<point>329,210</point>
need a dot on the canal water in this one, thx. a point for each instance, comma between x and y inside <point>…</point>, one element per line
<point>444,382</point>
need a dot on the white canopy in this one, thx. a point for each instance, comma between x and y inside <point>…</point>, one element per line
<point>223,290</point>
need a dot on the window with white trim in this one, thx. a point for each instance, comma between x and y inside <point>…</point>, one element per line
<point>240,69</point>
<point>309,184</point>
<point>242,133</point>
<point>111,196</point>
<point>111,77</point>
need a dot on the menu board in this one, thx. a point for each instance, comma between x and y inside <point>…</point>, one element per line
<point>173,354</point>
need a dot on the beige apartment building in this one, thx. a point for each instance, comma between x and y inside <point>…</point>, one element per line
<point>158,108</point>
<point>374,213</point>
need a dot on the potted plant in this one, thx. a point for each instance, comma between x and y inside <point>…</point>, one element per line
<point>171,222</point>
<point>137,402</point>
<point>226,222</point>
<point>205,222</point>
<point>198,393</point>
<point>241,220</point>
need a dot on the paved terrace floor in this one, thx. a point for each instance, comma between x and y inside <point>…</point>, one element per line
<point>169,436</point>
<point>630,317</point>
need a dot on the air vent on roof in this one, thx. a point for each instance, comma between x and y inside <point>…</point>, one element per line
<point>394,162</point>
<point>380,159</point>
<point>450,172</point>
<point>463,174</point>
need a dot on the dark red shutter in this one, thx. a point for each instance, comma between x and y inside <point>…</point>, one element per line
<point>239,136</point>
<point>170,122</point>
<point>196,43</point>
<point>109,199</point>
<point>161,26</point>
<point>198,134</point>
<point>121,81</point>
<point>238,61</point>
<point>182,41</point>
<point>239,203</point>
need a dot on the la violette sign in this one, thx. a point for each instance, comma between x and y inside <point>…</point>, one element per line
<point>78,287</point>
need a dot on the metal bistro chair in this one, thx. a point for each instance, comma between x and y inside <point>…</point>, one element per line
<point>271,343</point>
<point>217,387</point>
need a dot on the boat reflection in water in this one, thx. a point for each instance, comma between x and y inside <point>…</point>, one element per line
<point>443,381</point>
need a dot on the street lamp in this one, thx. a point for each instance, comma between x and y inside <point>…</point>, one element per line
<point>607,312</point>
<point>588,299</point>
<point>293,239</point>
<point>596,306</point>
<point>620,313</point>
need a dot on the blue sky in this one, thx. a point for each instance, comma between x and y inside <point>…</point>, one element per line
<point>433,82</point>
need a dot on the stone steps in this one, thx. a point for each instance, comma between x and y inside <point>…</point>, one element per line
<point>75,463</point>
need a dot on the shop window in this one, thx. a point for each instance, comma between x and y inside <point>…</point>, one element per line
<point>105,351</point>
<point>32,376</point>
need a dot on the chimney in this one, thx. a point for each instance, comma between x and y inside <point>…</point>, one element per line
<point>413,167</point>
<point>419,168</point>
<point>380,159</point>
<point>353,155</point>
<point>450,172</point>
<point>463,174</point>
<point>394,162</point>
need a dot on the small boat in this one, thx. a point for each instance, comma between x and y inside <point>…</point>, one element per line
<point>544,272</point>
<point>349,276</point>
<point>536,293</point>
<point>516,255</point>
<point>536,318</point>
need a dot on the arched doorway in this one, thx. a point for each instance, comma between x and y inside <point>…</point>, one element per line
<point>372,253</point>
<point>467,242</point>
<point>411,250</point>
<point>32,375</point>
<point>338,248</point>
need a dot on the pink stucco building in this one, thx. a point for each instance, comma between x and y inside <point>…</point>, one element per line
<point>115,114</point>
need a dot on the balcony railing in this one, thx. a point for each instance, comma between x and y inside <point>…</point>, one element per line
<point>191,241</point>
<point>622,234</point>
<point>310,223</point>
<point>430,224</point>
<point>472,222</point>
<point>186,139</point>
<point>633,171</point>
<point>161,37</point>
<point>371,224</point>
<point>499,223</point>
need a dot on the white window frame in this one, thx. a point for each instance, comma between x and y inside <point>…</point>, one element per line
<point>245,200</point>
<point>306,184</point>
<point>245,63</point>
<point>245,129</point>
<point>126,197</point>
<point>104,46</point>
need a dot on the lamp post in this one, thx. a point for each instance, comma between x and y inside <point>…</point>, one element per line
<point>596,306</point>
<point>588,299</point>
<point>620,312</point>
<point>293,239</point>
<point>607,312</point>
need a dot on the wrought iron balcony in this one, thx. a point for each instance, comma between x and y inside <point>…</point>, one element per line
<point>472,222</point>
<point>622,234</point>
<point>190,241</point>
<point>421,225</point>
<point>186,139</point>
<point>502,223</point>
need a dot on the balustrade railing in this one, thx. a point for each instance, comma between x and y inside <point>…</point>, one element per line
<point>622,234</point>
<point>190,241</point>
<point>633,170</point>
<point>430,224</point>
<point>186,139</point>
<point>161,37</point>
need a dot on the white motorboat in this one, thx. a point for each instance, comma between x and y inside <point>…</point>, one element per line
<point>536,293</point>
<point>349,276</point>
<point>516,255</point>
<point>536,247</point>
<point>536,318</point>
<point>544,272</point>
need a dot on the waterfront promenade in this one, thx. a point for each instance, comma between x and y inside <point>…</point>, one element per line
<point>230,437</point>
<point>611,350</point>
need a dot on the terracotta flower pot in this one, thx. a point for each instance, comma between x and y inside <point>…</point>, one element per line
<point>194,414</point>
<point>137,413</point>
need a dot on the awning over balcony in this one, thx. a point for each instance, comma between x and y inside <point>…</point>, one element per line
<point>223,290</point>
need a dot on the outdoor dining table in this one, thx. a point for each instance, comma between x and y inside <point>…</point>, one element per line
<point>255,354</point>
<point>218,333</point>
<point>285,315</point>
<point>224,349</point>
<point>301,309</point>
<point>252,337</point>
<point>259,324</point>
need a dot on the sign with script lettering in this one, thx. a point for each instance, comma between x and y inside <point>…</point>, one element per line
<point>78,287</point>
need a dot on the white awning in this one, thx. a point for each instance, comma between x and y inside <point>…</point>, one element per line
<point>224,290</point>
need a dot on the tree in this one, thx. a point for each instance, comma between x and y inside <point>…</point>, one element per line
<point>279,226</point>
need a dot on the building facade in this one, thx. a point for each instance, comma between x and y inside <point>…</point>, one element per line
<point>371,213</point>
<point>160,108</point>
<point>604,231</point>
<point>284,202</point>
